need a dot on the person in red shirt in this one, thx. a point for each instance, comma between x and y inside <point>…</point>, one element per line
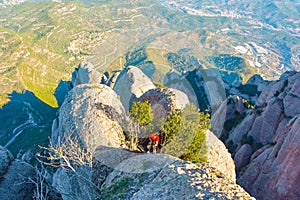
<point>153,144</point>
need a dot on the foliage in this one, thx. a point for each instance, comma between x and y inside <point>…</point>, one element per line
<point>171,126</point>
<point>141,112</point>
<point>118,189</point>
<point>68,154</point>
<point>159,85</point>
<point>136,57</point>
<point>185,134</point>
<point>247,104</point>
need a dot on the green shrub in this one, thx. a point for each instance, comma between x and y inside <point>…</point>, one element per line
<point>141,112</point>
<point>185,134</point>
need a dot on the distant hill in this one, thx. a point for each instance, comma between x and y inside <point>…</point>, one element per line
<point>43,42</point>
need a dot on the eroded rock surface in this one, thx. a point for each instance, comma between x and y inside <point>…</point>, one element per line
<point>165,101</point>
<point>265,143</point>
<point>131,83</point>
<point>94,113</point>
<point>218,156</point>
<point>86,74</point>
<point>15,177</point>
<point>156,176</point>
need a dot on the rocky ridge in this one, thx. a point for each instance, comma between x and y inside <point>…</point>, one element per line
<point>93,113</point>
<point>264,140</point>
<point>149,176</point>
<point>115,167</point>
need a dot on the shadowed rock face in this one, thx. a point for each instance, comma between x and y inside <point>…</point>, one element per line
<point>266,143</point>
<point>131,84</point>
<point>6,158</point>
<point>14,177</point>
<point>94,113</point>
<point>85,74</point>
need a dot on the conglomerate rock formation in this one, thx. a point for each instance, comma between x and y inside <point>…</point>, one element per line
<point>265,140</point>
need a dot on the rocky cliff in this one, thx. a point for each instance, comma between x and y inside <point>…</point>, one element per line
<point>264,140</point>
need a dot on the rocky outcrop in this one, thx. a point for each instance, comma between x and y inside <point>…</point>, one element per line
<point>6,158</point>
<point>231,110</point>
<point>15,177</point>
<point>165,101</point>
<point>113,79</point>
<point>243,155</point>
<point>218,156</point>
<point>94,113</point>
<point>131,83</point>
<point>86,74</point>
<point>258,81</point>
<point>274,173</point>
<point>156,176</point>
<point>179,82</point>
<point>207,84</point>
<point>265,143</point>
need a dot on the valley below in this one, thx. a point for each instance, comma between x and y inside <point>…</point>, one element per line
<point>235,60</point>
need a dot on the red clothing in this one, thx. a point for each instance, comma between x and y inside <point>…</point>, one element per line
<point>154,137</point>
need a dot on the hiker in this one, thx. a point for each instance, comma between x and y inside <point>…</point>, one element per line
<point>153,143</point>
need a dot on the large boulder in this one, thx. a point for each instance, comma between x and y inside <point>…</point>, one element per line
<point>86,74</point>
<point>94,113</point>
<point>157,176</point>
<point>131,83</point>
<point>15,177</point>
<point>165,101</point>
<point>218,156</point>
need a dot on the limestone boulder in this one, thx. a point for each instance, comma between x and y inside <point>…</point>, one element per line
<point>165,101</point>
<point>94,114</point>
<point>219,157</point>
<point>86,74</point>
<point>158,176</point>
<point>130,84</point>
